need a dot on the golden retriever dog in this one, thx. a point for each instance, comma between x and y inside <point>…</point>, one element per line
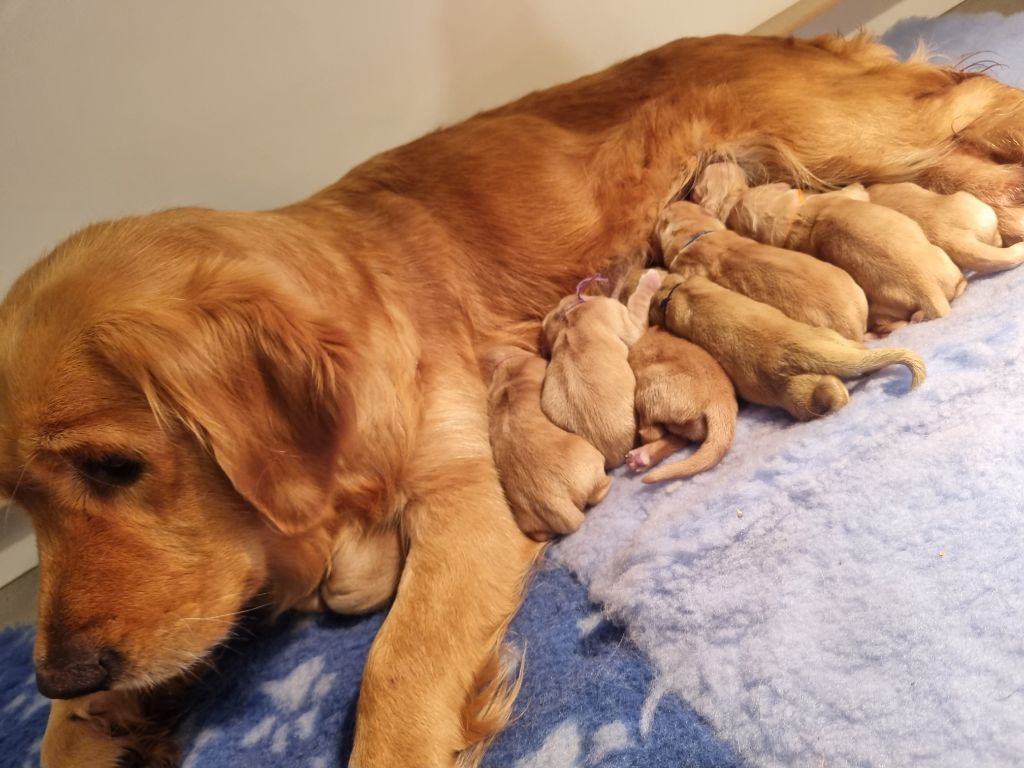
<point>905,277</point>
<point>199,398</point>
<point>693,242</point>
<point>960,224</point>
<point>682,393</point>
<point>771,359</point>
<point>589,387</point>
<point>550,476</point>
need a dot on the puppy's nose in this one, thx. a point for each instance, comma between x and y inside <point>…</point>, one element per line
<point>73,672</point>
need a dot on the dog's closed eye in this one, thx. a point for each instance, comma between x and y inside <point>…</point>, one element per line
<point>109,471</point>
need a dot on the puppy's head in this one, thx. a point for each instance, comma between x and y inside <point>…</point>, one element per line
<point>767,212</point>
<point>168,406</point>
<point>679,221</point>
<point>718,188</point>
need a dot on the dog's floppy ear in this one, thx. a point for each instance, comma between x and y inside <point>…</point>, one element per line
<point>253,371</point>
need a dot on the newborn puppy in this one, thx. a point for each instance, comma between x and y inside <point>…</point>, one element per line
<point>771,359</point>
<point>365,565</point>
<point>589,386</point>
<point>681,393</point>
<point>693,242</point>
<point>365,569</point>
<point>719,187</point>
<point>906,278</point>
<point>960,224</point>
<point>549,475</point>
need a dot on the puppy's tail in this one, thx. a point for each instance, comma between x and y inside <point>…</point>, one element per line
<point>984,258</point>
<point>721,420</point>
<point>853,361</point>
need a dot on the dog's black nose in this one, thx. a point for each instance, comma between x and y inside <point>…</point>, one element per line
<point>73,672</point>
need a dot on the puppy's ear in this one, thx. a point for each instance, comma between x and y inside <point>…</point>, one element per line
<point>247,366</point>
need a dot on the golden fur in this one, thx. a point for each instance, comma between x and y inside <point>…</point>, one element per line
<point>960,224</point>
<point>771,359</point>
<point>904,276</point>
<point>682,393</point>
<point>261,377</point>
<point>550,475</point>
<point>589,387</point>
<point>806,289</point>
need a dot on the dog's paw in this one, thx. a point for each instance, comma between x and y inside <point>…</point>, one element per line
<point>638,459</point>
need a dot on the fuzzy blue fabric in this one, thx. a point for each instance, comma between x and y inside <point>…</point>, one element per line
<point>287,698</point>
<point>975,41</point>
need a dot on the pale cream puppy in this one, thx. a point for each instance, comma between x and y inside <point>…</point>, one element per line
<point>588,388</point>
<point>960,224</point>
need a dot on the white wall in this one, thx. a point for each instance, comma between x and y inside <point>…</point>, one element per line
<point>108,107</point>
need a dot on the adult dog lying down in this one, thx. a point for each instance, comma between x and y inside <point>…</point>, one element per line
<point>192,402</point>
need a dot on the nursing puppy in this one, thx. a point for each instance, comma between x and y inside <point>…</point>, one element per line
<point>693,242</point>
<point>365,566</point>
<point>771,359</point>
<point>682,394</point>
<point>589,386</point>
<point>905,277</point>
<point>960,224</point>
<point>549,475</point>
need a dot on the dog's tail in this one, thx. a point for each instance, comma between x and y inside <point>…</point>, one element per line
<point>721,420</point>
<point>854,361</point>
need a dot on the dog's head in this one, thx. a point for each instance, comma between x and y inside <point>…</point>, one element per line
<point>170,406</point>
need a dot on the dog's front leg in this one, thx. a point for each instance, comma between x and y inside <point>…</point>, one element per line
<point>432,684</point>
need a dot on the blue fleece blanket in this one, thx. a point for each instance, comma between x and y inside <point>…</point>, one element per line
<point>848,592</point>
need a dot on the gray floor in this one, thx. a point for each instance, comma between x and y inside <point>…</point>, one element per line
<point>18,599</point>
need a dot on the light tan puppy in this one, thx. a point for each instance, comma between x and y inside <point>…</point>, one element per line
<point>365,569</point>
<point>960,224</point>
<point>693,242</point>
<point>549,475</point>
<point>589,386</point>
<point>771,359</point>
<point>906,278</point>
<point>681,394</point>
<point>719,187</point>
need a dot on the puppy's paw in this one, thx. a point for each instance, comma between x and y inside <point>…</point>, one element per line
<point>638,459</point>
